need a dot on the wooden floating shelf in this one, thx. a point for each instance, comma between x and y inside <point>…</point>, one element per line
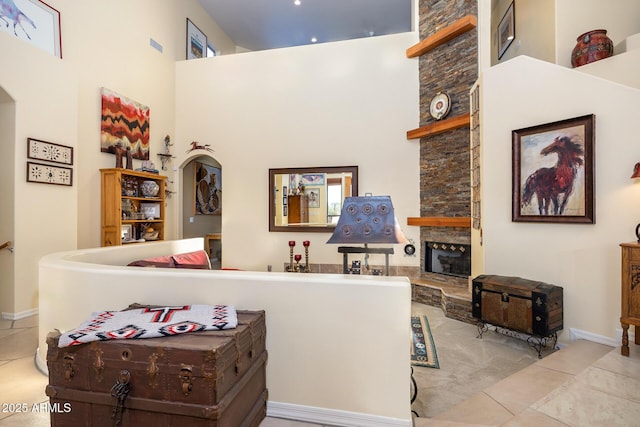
<point>461,26</point>
<point>440,221</point>
<point>439,127</point>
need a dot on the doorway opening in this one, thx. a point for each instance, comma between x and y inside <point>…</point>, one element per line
<point>202,204</point>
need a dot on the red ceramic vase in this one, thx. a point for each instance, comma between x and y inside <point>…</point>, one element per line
<point>592,46</point>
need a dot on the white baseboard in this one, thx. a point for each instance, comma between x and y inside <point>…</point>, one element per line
<point>332,417</point>
<point>577,334</point>
<point>19,315</point>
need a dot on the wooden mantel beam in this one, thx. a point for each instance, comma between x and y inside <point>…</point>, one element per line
<point>440,127</point>
<point>440,221</point>
<point>461,26</point>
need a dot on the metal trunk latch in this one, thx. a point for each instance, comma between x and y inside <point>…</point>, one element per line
<point>68,366</point>
<point>153,370</point>
<point>98,365</point>
<point>186,378</point>
<point>120,391</point>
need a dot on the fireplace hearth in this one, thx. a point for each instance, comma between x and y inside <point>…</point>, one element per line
<point>450,259</point>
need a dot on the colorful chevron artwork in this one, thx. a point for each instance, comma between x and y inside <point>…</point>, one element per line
<point>124,122</point>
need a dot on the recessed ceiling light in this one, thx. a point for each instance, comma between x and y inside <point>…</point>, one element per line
<point>313,39</point>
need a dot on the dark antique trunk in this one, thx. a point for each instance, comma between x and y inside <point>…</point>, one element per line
<point>518,304</point>
<point>211,378</point>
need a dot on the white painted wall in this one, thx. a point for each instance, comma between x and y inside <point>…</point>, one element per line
<point>548,29</point>
<point>104,43</point>
<point>7,195</point>
<point>108,44</point>
<point>342,359</point>
<point>335,103</point>
<point>534,29</point>
<point>583,259</point>
<point>621,68</point>
<point>332,104</point>
<point>45,215</point>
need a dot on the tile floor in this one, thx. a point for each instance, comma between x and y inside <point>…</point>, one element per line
<point>493,381</point>
<point>584,384</point>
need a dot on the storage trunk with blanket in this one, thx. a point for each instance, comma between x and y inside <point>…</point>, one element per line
<point>209,378</point>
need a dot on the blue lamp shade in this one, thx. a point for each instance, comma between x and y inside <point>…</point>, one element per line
<point>367,219</point>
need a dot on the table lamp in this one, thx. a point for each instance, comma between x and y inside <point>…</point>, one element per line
<point>364,220</point>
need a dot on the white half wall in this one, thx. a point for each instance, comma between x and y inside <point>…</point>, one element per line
<point>338,345</point>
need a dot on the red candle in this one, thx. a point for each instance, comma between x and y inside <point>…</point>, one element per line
<point>297,257</point>
<point>306,243</point>
<point>292,243</point>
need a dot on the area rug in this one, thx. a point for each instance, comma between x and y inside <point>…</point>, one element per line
<point>423,350</point>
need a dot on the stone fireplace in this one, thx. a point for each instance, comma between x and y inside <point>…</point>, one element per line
<point>448,259</point>
<point>446,256</point>
<point>445,177</point>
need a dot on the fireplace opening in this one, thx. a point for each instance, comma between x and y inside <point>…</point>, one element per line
<point>452,259</point>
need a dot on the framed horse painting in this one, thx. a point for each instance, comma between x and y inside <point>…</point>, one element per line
<point>553,167</point>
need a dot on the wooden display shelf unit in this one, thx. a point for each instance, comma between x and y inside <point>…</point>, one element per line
<point>440,221</point>
<point>440,127</point>
<point>121,205</point>
<point>450,32</point>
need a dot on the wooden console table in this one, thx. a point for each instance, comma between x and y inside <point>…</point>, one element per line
<point>630,311</point>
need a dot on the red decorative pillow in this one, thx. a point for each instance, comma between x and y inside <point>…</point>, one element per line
<point>161,261</point>
<point>197,260</point>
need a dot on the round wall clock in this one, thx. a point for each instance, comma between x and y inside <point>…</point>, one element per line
<point>440,106</point>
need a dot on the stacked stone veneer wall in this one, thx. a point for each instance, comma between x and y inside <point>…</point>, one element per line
<point>445,182</point>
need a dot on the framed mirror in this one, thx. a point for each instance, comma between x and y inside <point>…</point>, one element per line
<point>309,199</point>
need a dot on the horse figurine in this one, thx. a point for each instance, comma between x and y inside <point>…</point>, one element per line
<point>195,145</point>
<point>10,12</point>
<point>554,185</point>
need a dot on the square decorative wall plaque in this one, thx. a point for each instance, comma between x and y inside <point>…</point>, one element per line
<point>48,174</point>
<point>48,151</point>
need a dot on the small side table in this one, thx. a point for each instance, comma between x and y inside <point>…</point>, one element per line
<point>346,250</point>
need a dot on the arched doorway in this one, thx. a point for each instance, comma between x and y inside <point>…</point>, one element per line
<point>202,204</point>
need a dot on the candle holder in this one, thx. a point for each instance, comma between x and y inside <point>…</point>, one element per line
<point>290,267</point>
<point>306,244</point>
<point>297,267</point>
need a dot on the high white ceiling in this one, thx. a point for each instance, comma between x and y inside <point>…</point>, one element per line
<point>269,24</point>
